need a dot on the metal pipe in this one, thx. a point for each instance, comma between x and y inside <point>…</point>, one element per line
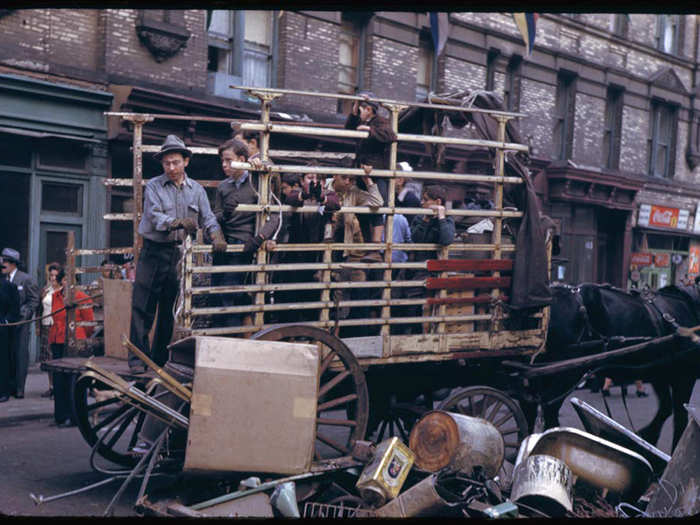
<point>379,100</point>
<point>247,492</point>
<point>401,137</point>
<point>40,499</point>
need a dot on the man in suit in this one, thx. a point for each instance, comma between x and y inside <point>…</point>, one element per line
<point>9,312</point>
<point>28,303</point>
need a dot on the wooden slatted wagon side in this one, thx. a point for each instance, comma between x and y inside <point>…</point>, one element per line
<point>374,384</point>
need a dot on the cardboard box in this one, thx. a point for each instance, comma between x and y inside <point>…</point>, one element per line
<point>253,405</point>
<point>116,294</point>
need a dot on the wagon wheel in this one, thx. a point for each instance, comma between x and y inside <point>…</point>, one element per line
<point>499,409</point>
<point>342,386</point>
<point>94,418</point>
<point>397,419</point>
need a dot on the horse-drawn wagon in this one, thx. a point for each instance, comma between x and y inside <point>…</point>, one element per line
<point>380,368</point>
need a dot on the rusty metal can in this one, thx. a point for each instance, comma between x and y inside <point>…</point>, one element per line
<point>382,478</point>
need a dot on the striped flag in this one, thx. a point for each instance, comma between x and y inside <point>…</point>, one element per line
<point>439,27</point>
<point>526,24</point>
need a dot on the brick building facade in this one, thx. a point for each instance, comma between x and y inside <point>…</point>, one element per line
<point>610,105</point>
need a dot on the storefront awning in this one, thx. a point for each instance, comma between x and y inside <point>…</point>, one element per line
<point>662,231</point>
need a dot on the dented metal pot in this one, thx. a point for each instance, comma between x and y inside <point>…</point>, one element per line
<point>543,482</point>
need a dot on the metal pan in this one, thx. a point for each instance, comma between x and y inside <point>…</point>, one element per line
<point>602,426</point>
<point>597,461</point>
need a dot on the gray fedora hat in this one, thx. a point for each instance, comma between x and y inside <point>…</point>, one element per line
<point>11,255</point>
<point>173,144</point>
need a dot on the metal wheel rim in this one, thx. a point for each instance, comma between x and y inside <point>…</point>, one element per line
<point>84,410</point>
<point>357,405</point>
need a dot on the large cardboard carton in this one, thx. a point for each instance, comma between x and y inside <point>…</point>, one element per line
<point>253,405</point>
<point>117,316</point>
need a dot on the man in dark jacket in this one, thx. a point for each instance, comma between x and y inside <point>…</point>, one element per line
<point>372,152</point>
<point>28,303</point>
<point>9,313</point>
<point>238,226</point>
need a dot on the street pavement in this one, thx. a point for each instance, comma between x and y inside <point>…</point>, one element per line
<point>37,457</point>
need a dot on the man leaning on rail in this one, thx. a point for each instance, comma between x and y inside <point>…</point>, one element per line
<point>174,205</point>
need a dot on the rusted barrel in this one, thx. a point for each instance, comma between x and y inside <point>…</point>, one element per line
<point>444,439</point>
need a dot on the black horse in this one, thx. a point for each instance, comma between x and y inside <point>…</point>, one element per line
<point>593,312</point>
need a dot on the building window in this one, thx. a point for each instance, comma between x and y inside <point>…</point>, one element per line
<point>511,93</point>
<point>350,59</point>
<point>668,33</point>
<point>257,48</point>
<point>491,59</point>
<point>241,49</point>
<point>424,73</point>
<point>564,115</point>
<point>619,25</point>
<point>59,197</point>
<point>613,127</point>
<point>662,141</point>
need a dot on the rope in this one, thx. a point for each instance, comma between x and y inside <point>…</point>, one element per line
<point>34,319</point>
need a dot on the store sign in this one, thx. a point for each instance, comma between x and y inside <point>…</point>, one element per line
<point>694,259</point>
<point>661,260</point>
<point>663,217</point>
<point>641,259</point>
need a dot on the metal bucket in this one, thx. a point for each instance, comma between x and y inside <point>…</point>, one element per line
<point>543,482</point>
<point>444,439</point>
<point>421,500</point>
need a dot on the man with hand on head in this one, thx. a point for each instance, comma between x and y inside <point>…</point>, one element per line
<point>174,206</point>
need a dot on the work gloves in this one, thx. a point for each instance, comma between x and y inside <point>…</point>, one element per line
<point>189,225</point>
<point>315,191</point>
<point>266,232</point>
<point>218,242</point>
<point>331,203</point>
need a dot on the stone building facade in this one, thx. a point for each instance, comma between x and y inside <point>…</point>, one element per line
<point>609,100</point>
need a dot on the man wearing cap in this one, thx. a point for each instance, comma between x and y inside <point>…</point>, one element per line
<point>19,335</point>
<point>9,313</point>
<point>174,206</point>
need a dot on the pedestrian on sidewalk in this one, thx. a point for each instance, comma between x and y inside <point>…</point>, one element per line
<point>52,285</point>
<point>19,335</point>
<point>63,412</point>
<point>9,313</point>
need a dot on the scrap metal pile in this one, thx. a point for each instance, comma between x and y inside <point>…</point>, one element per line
<point>239,441</point>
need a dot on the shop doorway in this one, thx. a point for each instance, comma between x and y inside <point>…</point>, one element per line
<point>53,239</point>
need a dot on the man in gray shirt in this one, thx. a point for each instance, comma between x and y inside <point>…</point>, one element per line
<point>174,205</point>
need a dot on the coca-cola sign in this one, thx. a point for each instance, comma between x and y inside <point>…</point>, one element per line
<point>663,217</point>
<point>641,258</point>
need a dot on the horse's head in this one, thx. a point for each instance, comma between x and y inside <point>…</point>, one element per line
<point>567,321</point>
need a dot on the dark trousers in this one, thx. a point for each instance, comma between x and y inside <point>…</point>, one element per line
<point>231,279</point>
<point>62,389</point>
<point>156,286</point>
<point>5,361</point>
<point>19,357</point>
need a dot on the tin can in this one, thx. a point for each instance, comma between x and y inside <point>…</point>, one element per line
<point>382,478</point>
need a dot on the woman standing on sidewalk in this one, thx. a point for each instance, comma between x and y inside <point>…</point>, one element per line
<point>46,299</point>
<point>63,413</point>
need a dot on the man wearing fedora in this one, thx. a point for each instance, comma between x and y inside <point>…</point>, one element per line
<point>19,335</point>
<point>174,206</point>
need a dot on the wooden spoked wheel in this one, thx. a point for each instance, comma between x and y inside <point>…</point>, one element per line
<point>95,418</point>
<point>398,419</point>
<point>343,402</point>
<point>499,409</point>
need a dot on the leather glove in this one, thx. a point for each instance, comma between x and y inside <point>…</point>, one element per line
<point>331,203</point>
<point>218,242</point>
<point>294,198</point>
<point>269,228</point>
<point>189,225</point>
<point>252,244</point>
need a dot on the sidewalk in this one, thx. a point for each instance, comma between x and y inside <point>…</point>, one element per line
<point>33,406</point>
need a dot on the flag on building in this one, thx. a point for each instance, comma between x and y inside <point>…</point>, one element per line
<point>439,27</point>
<point>526,24</point>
